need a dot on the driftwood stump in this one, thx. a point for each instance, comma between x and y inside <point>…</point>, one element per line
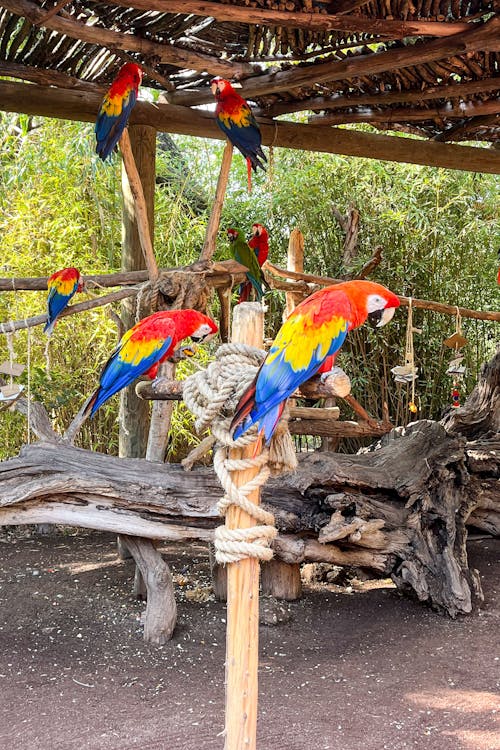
<point>400,509</point>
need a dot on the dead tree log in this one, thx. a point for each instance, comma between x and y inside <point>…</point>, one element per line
<point>400,509</point>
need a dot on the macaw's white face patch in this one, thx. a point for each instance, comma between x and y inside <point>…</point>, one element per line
<point>378,313</point>
<point>202,332</point>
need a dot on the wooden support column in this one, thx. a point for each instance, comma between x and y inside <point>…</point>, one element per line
<point>134,412</point>
<point>161,417</point>
<point>295,263</point>
<point>281,580</point>
<point>161,609</point>
<point>242,634</point>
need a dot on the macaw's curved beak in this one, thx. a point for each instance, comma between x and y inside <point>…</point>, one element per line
<point>379,318</point>
<point>214,87</point>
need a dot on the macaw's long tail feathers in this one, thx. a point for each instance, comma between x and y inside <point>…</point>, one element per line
<point>245,406</point>
<point>244,292</point>
<point>257,286</point>
<point>249,174</point>
<point>89,407</point>
<point>249,413</point>
<point>49,327</point>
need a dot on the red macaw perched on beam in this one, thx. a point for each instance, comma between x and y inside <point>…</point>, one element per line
<point>259,242</point>
<point>312,333</point>
<point>116,108</point>
<point>62,285</point>
<point>143,347</point>
<point>234,117</point>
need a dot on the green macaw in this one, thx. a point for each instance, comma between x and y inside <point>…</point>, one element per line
<point>244,254</point>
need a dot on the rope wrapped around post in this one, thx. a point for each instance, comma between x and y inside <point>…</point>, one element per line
<point>212,396</point>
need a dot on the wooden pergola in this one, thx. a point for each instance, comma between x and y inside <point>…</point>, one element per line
<point>430,69</point>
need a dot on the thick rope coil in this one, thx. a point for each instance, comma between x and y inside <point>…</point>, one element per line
<point>212,395</point>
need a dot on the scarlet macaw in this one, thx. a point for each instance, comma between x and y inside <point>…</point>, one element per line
<point>62,285</point>
<point>234,117</point>
<point>116,108</point>
<point>312,333</point>
<point>246,256</point>
<point>259,242</point>
<point>143,347</point>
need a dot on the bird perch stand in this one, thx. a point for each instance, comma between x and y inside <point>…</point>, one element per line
<point>242,466</point>
<point>242,635</point>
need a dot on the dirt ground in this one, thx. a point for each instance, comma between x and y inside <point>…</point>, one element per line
<point>343,668</point>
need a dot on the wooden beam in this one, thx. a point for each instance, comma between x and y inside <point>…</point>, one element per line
<point>481,37</point>
<point>409,114</point>
<point>47,77</point>
<point>299,20</point>
<point>405,301</point>
<point>138,147</point>
<point>217,275</point>
<point>450,91</point>
<point>38,320</point>
<point>83,106</point>
<point>165,53</point>
<point>461,129</point>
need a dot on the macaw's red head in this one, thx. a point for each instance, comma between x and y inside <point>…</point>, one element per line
<point>220,87</point>
<point>131,74</point>
<point>68,276</point>
<point>369,300</point>
<point>233,234</point>
<point>259,231</point>
<point>194,324</point>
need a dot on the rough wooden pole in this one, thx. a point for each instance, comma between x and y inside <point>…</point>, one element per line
<point>134,413</point>
<point>242,635</point>
<point>143,208</point>
<point>220,192</point>
<point>295,263</point>
<point>161,416</point>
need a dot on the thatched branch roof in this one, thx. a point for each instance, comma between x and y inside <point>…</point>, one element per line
<point>430,67</point>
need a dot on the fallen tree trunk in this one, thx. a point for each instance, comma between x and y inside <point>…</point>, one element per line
<point>400,509</point>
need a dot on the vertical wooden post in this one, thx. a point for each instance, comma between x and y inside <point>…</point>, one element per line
<point>161,416</point>
<point>134,412</point>
<point>295,262</point>
<point>242,635</point>
<point>220,192</point>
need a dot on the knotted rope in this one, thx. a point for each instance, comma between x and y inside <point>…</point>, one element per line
<point>212,395</point>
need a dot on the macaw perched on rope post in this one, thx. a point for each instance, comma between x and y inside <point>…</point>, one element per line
<point>116,108</point>
<point>234,117</point>
<point>62,286</point>
<point>243,254</point>
<point>144,347</point>
<point>312,333</point>
<point>259,242</point>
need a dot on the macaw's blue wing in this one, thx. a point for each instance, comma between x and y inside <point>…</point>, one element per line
<point>242,130</point>
<point>111,121</point>
<point>56,302</point>
<point>134,356</point>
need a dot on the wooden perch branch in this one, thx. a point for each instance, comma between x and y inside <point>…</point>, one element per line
<point>214,221</point>
<point>140,208</point>
<point>38,320</point>
<point>439,307</point>
<point>216,274</point>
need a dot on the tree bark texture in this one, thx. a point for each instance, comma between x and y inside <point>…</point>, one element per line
<point>134,413</point>
<point>400,509</point>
